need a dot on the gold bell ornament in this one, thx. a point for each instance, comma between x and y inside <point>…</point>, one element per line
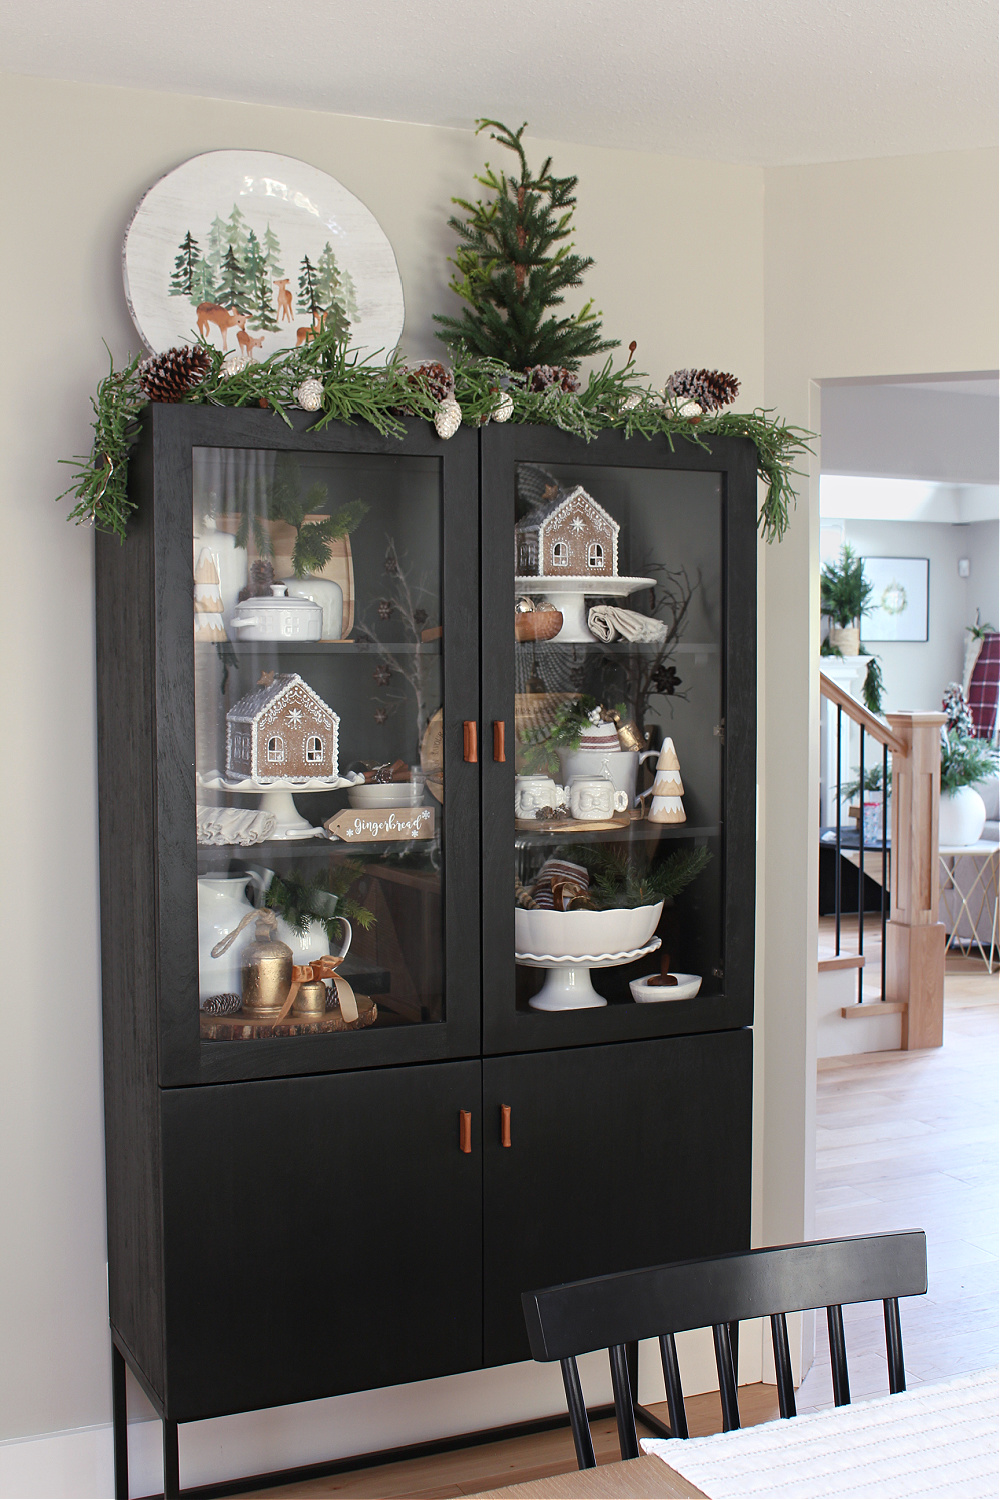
<point>265,966</point>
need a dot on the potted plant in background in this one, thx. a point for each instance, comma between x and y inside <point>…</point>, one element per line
<point>965,760</point>
<point>844,592</point>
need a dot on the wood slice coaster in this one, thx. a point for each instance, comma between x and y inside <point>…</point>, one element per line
<point>571,825</point>
<point>241,1028</point>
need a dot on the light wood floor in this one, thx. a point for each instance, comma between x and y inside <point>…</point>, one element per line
<point>904,1140</point>
<point>908,1140</point>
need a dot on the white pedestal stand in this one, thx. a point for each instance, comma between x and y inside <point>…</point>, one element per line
<point>567,980</point>
<point>570,596</point>
<point>277,797</point>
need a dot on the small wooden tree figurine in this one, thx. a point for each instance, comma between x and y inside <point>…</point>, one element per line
<point>668,789</point>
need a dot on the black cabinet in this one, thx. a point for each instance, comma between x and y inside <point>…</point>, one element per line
<point>321,1235</point>
<point>619,1156</point>
<point>301,1204</point>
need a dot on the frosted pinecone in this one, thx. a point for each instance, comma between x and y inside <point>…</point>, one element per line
<point>712,389</point>
<point>170,375</point>
<point>310,395</point>
<point>448,419</point>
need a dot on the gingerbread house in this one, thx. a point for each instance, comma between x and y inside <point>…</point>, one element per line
<point>569,536</point>
<point>281,729</point>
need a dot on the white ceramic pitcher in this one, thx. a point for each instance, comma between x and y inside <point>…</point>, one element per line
<point>222,905</point>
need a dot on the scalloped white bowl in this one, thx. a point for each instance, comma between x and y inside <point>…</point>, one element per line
<point>573,934</point>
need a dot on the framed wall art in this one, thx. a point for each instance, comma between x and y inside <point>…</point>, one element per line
<point>898,604</point>
<point>254,252</point>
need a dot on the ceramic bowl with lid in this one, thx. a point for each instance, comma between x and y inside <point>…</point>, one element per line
<point>277,618</point>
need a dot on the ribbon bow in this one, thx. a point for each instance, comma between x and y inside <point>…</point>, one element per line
<point>322,968</point>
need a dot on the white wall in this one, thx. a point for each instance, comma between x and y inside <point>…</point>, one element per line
<point>908,432</point>
<point>916,673</point>
<point>77,160</point>
<point>871,268</point>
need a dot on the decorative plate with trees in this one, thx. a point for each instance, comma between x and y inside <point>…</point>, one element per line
<point>254,252</point>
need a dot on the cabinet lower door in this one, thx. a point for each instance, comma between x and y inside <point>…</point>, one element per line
<point>620,1156</point>
<point>321,1235</point>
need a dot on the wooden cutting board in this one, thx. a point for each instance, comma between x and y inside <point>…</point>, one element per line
<point>241,1028</point>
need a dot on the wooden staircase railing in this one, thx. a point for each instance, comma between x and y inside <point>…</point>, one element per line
<point>913,938</point>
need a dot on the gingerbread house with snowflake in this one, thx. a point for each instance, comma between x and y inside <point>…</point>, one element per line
<point>570,536</point>
<point>280,729</point>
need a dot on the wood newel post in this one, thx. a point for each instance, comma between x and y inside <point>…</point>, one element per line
<point>914,936</point>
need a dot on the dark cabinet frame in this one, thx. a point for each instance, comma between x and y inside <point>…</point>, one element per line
<point>183,1119</point>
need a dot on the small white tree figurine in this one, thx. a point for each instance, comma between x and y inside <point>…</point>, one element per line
<point>208,621</point>
<point>668,789</point>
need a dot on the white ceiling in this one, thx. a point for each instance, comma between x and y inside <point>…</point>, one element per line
<point>757,81</point>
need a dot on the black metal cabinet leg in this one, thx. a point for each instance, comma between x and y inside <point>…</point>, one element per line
<point>119,1422</point>
<point>171,1462</point>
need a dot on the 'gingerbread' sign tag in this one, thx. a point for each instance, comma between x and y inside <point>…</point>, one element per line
<point>392,824</point>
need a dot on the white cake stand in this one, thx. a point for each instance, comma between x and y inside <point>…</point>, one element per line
<point>571,595</point>
<point>276,797</point>
<point>567,983</point>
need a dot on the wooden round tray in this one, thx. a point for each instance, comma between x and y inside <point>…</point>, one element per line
<point>241,1028</point>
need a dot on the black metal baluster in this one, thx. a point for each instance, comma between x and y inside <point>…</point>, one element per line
<point>836,875</point>
<point>885,853</point>
<point>861,868</point>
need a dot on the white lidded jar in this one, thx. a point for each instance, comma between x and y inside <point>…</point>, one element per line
<point>277,618</point>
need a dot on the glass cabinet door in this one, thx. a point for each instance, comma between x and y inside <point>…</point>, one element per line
<point>327,919</point>
<point>617,850</point>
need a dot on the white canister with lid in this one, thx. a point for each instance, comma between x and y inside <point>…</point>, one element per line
<point>277,618</point>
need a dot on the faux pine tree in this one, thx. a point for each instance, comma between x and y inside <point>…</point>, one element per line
<point>513,266</point>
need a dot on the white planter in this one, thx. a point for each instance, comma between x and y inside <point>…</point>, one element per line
<point>962,818</point>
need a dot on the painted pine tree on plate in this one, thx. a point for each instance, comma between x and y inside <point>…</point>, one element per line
<point>309,301</point>
<point>232,284</point>
<point>257,279</point>
<point>330,289</point>
<point>218,244</point>
<point>272,249</point>
<point>188,256</point>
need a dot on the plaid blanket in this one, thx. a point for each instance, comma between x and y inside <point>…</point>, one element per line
<point>984,688</point>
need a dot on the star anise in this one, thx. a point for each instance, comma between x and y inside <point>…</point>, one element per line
<point>385,608</point>
<point>420,617</point>
<point>665,680</point>
<point>381,714</point>
<point>382,676</point>
<point>391,561</point>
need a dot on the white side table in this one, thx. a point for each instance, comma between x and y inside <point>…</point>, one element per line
<point>979,899</point>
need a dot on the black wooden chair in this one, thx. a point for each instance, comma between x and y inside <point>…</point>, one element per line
<point>613,1312</point>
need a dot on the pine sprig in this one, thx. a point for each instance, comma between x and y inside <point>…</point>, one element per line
<point>100,480</point>
<point>301,899</point>
<point>617,881</point>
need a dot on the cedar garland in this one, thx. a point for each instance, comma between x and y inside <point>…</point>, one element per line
<point>355,389</point>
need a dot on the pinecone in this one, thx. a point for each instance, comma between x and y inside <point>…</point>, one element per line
<point>435,378</point>
<point>221,1005</point>
<point>712,389</point>
<point>169,376</point>
<point>261,579</point>
<point>540,377</point>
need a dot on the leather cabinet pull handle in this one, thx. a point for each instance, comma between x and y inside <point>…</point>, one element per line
<point>498,740</point>
<point>505,1125</point>
<point>465,1130</point>
<point>471,740</point>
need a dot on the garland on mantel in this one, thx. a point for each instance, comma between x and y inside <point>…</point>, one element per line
<point>355,389</point>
